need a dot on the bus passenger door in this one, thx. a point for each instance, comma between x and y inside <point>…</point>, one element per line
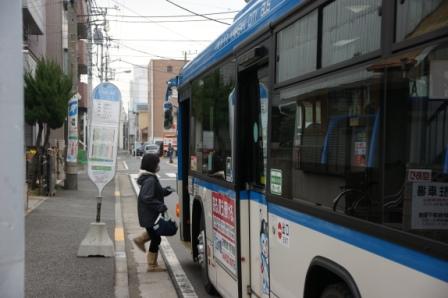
<point>253,113</point>
<point>183,143</point>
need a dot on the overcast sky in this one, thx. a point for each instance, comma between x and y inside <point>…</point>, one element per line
<point>139,39</point>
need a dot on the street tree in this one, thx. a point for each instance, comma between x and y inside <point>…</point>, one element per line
<point>47,92</point>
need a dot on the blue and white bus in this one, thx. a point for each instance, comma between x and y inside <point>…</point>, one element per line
<point>313,150</point>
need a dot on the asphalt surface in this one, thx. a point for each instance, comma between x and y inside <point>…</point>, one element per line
<point>54,232</point>
<point>192,269</point>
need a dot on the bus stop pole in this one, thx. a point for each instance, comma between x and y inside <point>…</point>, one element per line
<point>98,208</point>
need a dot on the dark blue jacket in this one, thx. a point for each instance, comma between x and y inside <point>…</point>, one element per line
<point>150,200</point>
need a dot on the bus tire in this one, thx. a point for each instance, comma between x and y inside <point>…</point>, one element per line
<point>337,290</point>
<point>203,259</point>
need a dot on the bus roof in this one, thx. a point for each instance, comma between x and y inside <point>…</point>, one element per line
<point>256,15</point>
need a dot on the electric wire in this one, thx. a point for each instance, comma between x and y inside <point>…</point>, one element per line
<point>195,13</point>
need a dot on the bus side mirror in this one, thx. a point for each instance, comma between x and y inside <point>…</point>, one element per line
<point>168,115</point>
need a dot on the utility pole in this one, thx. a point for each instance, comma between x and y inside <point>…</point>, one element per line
<point>71,177</point>
<point>12,171</point>
<point>101,39</point>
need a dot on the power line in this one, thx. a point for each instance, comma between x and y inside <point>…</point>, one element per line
<point>140,51</point>
<point>145,67</point>
<point>169,21</point>
<point>199,15</point>
<point>163,40</point>
<point>165,16</point>
<point>136,13</point>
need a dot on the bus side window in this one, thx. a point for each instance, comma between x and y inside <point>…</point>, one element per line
<point>334,142</point>
<point>416,161</point>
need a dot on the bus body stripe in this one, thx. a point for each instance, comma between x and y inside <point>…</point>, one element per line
<point>434,267</point>
<point>426,264</point>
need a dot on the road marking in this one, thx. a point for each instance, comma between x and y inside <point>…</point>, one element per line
<point>125,165</point>
<point>171,175</point>
<point>119,234</point>
<point>183,286</point>
<point>171,164</point>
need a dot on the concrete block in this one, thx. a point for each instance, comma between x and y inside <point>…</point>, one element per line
<point>97,242</point>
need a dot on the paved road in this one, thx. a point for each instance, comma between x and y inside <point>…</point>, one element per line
<point>168,177</point>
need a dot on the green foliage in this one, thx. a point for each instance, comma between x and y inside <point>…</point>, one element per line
<point>47,93</point>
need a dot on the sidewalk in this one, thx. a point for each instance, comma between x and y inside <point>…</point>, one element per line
<point>53,231</point>
<point>55,227</point>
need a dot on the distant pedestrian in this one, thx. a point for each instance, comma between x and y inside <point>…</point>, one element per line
<point>161,149</point>
<point>170,152</point>
<point>150,204</point>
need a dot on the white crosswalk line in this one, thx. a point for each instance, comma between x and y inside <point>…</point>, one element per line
<point>171,175</point>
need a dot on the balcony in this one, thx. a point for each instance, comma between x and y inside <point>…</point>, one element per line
<point>33,17</point>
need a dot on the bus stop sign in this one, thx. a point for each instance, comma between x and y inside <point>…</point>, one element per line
<point>103,138</point>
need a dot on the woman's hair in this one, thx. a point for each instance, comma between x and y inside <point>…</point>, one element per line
<point>150,162</point>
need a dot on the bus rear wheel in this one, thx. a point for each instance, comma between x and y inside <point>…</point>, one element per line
<point>338,290</point>
<point>203,258</point>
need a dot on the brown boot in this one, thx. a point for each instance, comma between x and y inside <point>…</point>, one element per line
<point>152,263</point>
<point>141,240</point>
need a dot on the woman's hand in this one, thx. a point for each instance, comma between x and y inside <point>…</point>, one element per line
<point>167,191</point>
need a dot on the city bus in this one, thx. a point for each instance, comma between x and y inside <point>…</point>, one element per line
<point>313,150</point>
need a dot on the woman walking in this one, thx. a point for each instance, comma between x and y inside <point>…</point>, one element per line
<point>150,204</point>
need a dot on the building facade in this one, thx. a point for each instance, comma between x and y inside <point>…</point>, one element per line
<point>138,87</point>
<point>159,72</point>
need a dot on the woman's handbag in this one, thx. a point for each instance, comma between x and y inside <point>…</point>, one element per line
<point>165,225</point>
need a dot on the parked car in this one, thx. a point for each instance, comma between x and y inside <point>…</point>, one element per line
<point>152,148</point>
<point>139,150</point>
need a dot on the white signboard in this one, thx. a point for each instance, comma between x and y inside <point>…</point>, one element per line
<point>224,230</point>
<point>430,206</point>
<point>103,137</point>
<point>72,143</point>
<point>276,182</point>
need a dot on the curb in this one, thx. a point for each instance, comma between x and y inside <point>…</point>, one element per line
<point>41,199</point>
<point>182,284</point>
<point>121,261</point>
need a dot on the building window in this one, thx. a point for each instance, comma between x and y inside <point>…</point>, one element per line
<point>297,48</point>
<point>169,68</point>
<point>345,23</point>
<point>417,17</point>
<point>211,122</point>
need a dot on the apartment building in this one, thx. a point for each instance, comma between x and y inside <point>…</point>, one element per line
<point>58,31</point>
<point>159,72</point>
